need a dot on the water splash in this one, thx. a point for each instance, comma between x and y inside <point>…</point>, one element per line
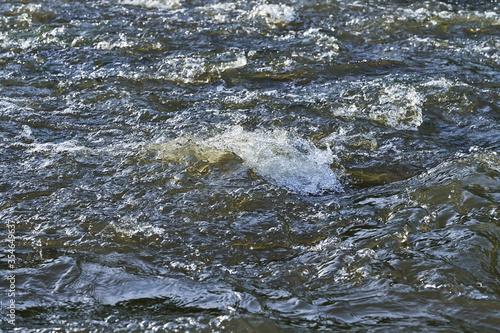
<point>394,105</point>
<point>276,155</point>
<point>274,15</point>
<point>399,107</point>
<point>154,4</point>
<point>287,160</point>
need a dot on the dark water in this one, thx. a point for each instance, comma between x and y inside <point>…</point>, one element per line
<point>250,166</point>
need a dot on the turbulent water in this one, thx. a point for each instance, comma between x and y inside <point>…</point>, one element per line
<point>250,166</point>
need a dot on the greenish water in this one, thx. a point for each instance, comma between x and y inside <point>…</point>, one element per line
<point>250,166</point>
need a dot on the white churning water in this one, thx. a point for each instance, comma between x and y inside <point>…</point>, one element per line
<point>277,155</point>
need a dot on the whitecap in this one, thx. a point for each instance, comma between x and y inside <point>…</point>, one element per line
<point>69,146</point>
<point>274,14</point>
<point>198,69</point>
<point>395,105</point>
<point>400,106</point>
<point>279,156</point>
<point>121,43</point>
<point>154,4</point>
<point>285,159</point>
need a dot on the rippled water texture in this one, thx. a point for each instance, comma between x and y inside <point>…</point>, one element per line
<point>251,166</point>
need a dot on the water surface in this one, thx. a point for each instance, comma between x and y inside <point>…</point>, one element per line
<point>251,166</point>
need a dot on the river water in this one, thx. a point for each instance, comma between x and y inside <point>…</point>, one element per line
<point>250,166</point>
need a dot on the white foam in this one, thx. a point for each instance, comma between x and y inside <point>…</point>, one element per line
<point>70,146</point>
<point>199,69</point>
<point>321,39</point>
<point>427,16</point>
<point>27,132</point>
<point>239,62</point>
<point>279,156</point>
<point>289,161</point>
<point>491,159</point>
<point>7,107</point>
<point>384,101</point>
<point>222,12</point>
<point>121,43</point>
<point>185,69</point>
<point>395,105</point>
<point>441,83</point>
<point>400,107</point>
<point>274,14</point>
<point>154,4</point>
<point>317,45</point>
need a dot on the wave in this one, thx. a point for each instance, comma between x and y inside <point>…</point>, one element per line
<point>278,156</point>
